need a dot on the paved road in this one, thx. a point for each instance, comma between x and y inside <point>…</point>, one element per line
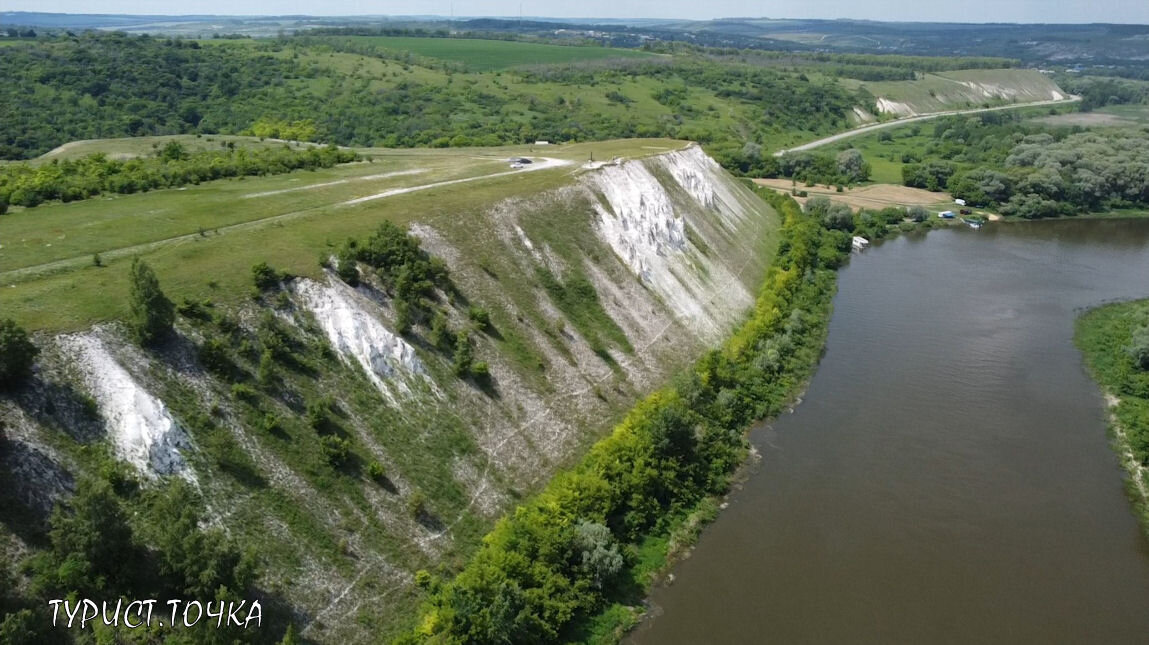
<point>866,129</point>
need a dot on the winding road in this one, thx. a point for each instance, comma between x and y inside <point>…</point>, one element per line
<point>866,129</point>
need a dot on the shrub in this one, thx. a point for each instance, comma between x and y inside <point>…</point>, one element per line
<point>264,277</point>
<point>481,371</point>
<point>417,504</point>
<point>336,450</point>
<point>17,353</point>
<point>464,354</point>
<point>376,471</point>
<point>441,336</point>
<point>194,309</point>
<point>214,356</point>
<point>151,314</point>
<point>480,317</point>
<point>244,392</point>
<point>402,317</point>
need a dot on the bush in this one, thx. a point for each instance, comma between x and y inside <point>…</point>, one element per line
<point>336,450</point>
<point>194,309</point>
<point>376,471</point>
<point>215,357</point>
<point>417,504</point>
<point>17,354</point>
<point>464,354</point>
<point>480,317</point>
<point>441,335</point>
<point>480,371</point>
<point>264,277</point>
<point>244,393</point>
<point>151,314</point>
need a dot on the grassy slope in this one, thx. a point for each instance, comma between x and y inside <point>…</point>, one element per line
<point>81,293</point>
<point>945,91</point>
<point>1103,334</point>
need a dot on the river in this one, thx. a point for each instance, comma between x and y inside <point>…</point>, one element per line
<point>947,477</point>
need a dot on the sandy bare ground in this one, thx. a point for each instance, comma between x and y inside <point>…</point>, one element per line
<point>866,129</point>
<point>875,196</point>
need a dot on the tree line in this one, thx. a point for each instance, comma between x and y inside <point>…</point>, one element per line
<point>28,185</point>
<point>1032,171</point>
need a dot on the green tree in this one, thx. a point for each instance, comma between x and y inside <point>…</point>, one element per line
<point>597,552</point>
<point>852,166</point>
<point>17,353</point>
<point>151,314</point>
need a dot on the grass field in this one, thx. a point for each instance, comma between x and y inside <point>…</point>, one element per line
<point>485,55</point>
<point>203,240</point>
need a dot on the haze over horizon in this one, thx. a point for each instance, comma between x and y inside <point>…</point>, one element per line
<point>973,11</point>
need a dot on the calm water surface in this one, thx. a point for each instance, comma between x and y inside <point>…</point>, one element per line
<point>947,478</point>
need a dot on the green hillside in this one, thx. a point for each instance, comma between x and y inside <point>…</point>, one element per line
<point>486,55</point>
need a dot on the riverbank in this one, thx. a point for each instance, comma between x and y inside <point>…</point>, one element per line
<point>1105,337</point>
<point>575,563</point>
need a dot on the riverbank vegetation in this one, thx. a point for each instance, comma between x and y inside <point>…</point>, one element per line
<point>575,558</point>
<point>1018,166</point>
<point>1115,341</point>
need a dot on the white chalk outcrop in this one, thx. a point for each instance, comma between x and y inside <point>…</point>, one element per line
<point>140,428</point>
<point>357,334</point>
<point>645,225</point>
<point>886,106</point>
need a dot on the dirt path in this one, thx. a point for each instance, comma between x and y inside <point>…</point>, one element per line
<point>111,254</point>
<point>866,129</point>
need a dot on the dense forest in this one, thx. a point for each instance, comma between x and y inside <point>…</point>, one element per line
<point>111,85</point>
<point>1031,170</point>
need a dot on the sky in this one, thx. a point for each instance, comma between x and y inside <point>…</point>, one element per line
<point>1124,11</point>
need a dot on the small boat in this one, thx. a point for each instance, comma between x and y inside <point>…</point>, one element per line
<point>973,222</point>
<point>860,243</point>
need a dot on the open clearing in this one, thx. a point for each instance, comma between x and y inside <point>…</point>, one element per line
<point>202,240</point>
<point>485,55</point>
<point>1108,116</point>
<point>874,196</point>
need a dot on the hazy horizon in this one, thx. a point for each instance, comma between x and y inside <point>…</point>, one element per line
<point>973,11</point>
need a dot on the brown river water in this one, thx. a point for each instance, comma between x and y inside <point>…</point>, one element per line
<point>947,477</point>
